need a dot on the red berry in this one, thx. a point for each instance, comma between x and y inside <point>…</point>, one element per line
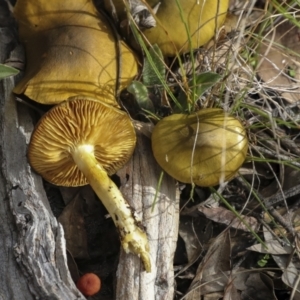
<point>89,284</point>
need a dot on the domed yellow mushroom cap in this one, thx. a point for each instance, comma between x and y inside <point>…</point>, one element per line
<point>81,141</point>
<point>205,148</point>
<point>200,18</point>
<point>71,50</point>
<point>103,130</point>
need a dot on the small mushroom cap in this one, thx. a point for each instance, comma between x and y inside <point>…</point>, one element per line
<point>76,122</point>
<point>89,284</point>
<point>170,32</point>
<point>205,147</point>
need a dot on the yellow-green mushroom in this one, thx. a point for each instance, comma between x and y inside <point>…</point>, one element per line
<point>205,148</point>
<point>82,141</point>
<point>71,50</point>
<point>178,25</point>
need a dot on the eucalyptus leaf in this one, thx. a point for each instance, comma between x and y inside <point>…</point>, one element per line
<point>150,76</point>
<point>198,86</point>
<point>204,82</point>
<point>140,93</point>
<point>6,71</point>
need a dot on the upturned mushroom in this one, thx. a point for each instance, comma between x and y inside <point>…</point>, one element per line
<point>205,148</point>
<point>172,23</point>
<point>70,50</point>
<point>82,141</point>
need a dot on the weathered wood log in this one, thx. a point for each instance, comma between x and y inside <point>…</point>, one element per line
<point>139,182</point>
<point>32,246</point>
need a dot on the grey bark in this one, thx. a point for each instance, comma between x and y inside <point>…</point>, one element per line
<point>32,247</point>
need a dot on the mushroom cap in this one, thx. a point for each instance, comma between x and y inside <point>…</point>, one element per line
<point>89,284</point>
<point>205,147</point>
<point>71,50</point>
<point>170,32</point>
<point>80,122</point>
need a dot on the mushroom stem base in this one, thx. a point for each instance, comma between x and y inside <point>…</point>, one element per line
<point>132,234</point>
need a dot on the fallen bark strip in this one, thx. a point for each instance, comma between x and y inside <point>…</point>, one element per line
<point>139,180</point>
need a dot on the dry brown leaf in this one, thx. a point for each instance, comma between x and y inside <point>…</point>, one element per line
<point>72,266</point>
<point>195,232</point>
<point>273,247</point>
<point>212,284</point>
<point>277,53</point>
<point>69,193</point>
<point>224,216</point>
<point>231,292</point>
<point>72,220</point>
<point>259,287</point>
<point>289,265</point>
<point>215,264</point>
<point>71,50</point>
<point>214,274</point>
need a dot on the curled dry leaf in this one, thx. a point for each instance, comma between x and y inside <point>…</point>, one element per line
<point>72,221</point>
<point>72,266</point>
<point>279,63</point>
<point>258,286</point>
<point>273,247</point>
<point>231,292</point>
<point>195,232</point>
<point>215,263</point>
<point>289,266</point>
<point>224,216</point>
<point>71,50</point>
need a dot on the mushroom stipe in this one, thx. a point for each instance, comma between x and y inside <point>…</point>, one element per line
<point>82,141</point>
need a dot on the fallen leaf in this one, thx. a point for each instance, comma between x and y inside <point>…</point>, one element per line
<point>289,264</point>
<point>231,292</point>
<point>7,71</point>
<point>259,287</point>
<point>72,220</point>
<point>196,232</point>
<point>215,264</point>
<point>273,247</point>
<point>279,61</point>
<point>225,216</point>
